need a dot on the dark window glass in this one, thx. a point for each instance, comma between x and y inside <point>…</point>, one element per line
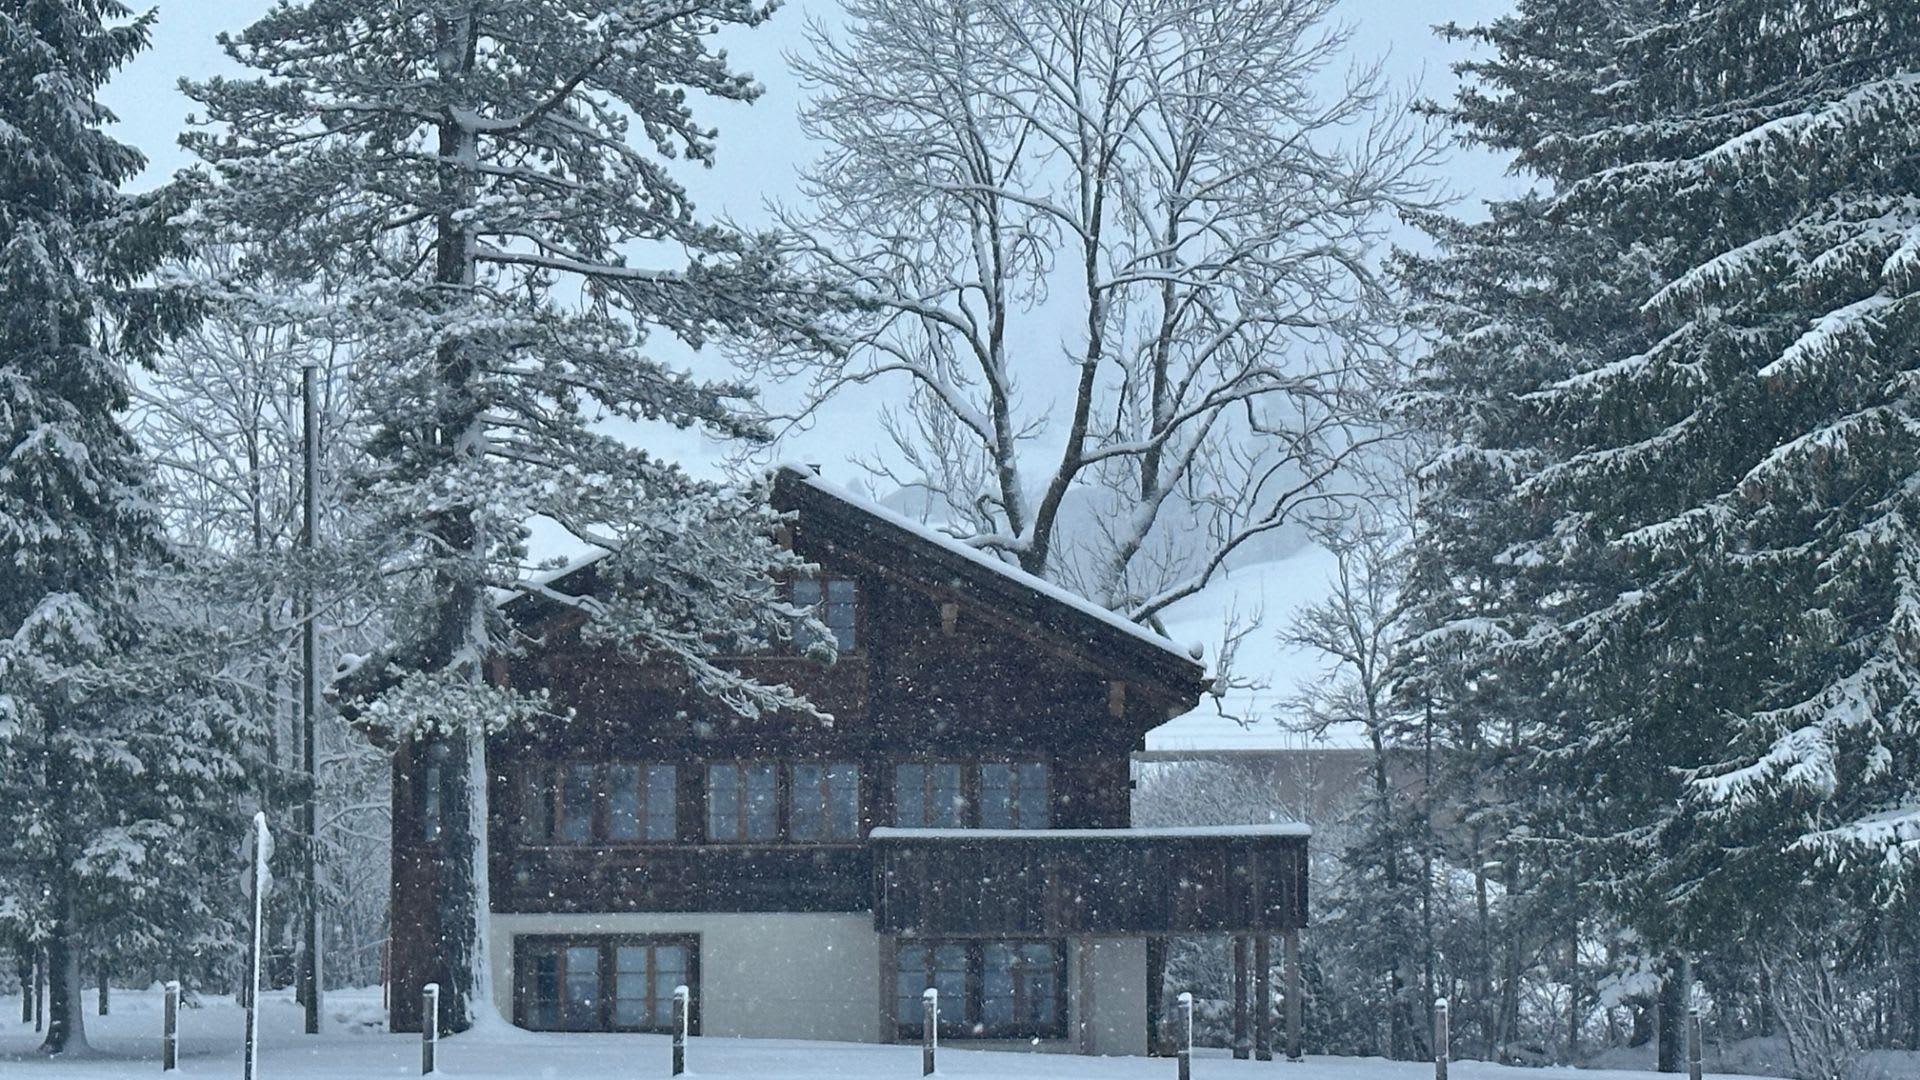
<point>601,984</point>
<point>1019,987</point>
<point>641,802</point>
<point>536,805</point>
<point>835,603</point>
<point>582,802</point>
<point>928,796</point>
<point>1015,988</point>
<point>580,1008</point>
<point>663,802</point>
<point>1013,796</point>
<point>740,802</point>
<point>825,802</point>
<point>543,989</point>
<point>578,784</point>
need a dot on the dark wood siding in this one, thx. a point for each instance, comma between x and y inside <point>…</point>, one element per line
<point>1098,885</point>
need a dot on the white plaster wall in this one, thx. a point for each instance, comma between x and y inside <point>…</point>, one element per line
<point>762,975</point>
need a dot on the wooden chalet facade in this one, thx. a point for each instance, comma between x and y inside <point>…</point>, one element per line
<point>962,823</point>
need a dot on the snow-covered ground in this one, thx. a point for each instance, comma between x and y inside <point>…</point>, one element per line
<point>356,1046</point>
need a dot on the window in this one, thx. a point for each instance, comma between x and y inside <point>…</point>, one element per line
<point>1019,987</point>
<point>833,600</point>
<point>824,804</point>
<point>928,795</point>
<point>740,802</point>
<point>950,795</point>
<point>602,983</point>
<point>988,989</point>
<point>622,802</point>
<point>642,802</point>
<point>1013,796</point>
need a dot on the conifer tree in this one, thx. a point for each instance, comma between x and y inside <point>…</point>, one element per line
<point>114,770</point>
<point>461,175</point>
<point>1684,448</point>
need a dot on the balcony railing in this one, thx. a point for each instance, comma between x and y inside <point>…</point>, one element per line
<point>1053,882</point>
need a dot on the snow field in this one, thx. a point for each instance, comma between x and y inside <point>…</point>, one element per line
<point>356,1045</point>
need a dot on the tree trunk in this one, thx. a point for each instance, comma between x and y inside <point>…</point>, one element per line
<point>23,967</point>
<point>103,986</point>
<point>1674,993</point>
<point>458,642</point>
<point>66,1031</point>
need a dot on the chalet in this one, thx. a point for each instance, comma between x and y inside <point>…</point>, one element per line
<point>962,824</point>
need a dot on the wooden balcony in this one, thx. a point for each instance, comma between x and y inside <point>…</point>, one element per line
<point>1060,882</point>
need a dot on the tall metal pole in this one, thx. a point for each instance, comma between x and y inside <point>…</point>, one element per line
<point>310,970</point>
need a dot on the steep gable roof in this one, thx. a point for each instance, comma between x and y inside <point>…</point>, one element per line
<point>925,553</point>
<point>943,559</point>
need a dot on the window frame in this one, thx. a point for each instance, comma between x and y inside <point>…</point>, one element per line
<point>971,1023</point>
<point>824,804</point>
<point>973,790</point>
<point>552,775</point>
<point>526,945</point>
<point>742,811</point>
<point>824,582</point>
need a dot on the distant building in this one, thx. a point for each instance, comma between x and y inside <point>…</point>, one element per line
<point>963,824</point>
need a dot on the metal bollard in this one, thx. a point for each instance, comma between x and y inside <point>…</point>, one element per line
<point>682,1000</point>
<point>1440,1047</point>
<point>929,1028</point>
<point>429,1027</point>
<point>1184,1055</point>
<point>1693,1043</point>
<point>170,1029</point>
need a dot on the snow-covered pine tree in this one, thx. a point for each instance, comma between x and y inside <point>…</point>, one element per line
<point>113,767</point>
<point>1706,510</point>
<point>1514,302</point>
<point>462,173</point>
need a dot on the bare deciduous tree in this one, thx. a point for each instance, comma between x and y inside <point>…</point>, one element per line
<point>1122,250</point>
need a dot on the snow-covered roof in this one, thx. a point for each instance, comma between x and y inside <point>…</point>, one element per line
<point>1173,832</point>
<point>1014,574</point>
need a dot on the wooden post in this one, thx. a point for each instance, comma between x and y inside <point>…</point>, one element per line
<point>1693,1043</point>
<point>1263,997</point>
<point>682,1010</point>
<point>1184,1054</point>
<point>1440,1047</point>
<point>1156,995</point>
<point>429,1027</point>
<point>929,1028</point>
<point>1291,942</point>
<point>1242,1038</point>
<point>170,1029</point>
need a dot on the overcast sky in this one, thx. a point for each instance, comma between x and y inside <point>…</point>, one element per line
<point>760,147</point>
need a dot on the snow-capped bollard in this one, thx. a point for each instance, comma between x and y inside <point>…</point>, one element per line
<point>170,1029</point>
<point>929,1028</point>
<point>1693,1043</point>
<point>1440,1048</point>
<point>681,1000</point>
<point>259,884</point>
<point>429,1027</point>
<point>1184,1055</point>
